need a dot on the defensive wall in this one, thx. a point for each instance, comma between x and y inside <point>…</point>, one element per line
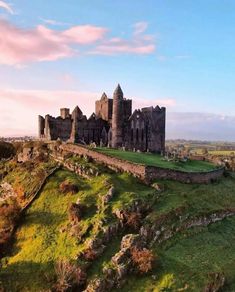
<point>143,172</point>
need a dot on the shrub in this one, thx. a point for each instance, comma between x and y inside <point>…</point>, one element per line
<point>133,220</point>
<point>6,150</point>
<point>75,213</point>
<point>90,254</point>
<point>143,259</point>
<point>10,210</point>
<point>68,187</point>
<point>68,276</point>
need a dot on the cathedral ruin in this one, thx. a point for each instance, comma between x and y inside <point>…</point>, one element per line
<point>113,124</point>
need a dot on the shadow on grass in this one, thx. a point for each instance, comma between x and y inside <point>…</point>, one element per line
<point>43,217</point>
<point>18,276</point>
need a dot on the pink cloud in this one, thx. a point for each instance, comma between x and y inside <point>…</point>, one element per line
<point>19,46</point>
<point>140,43</point>
<point>85,34</point>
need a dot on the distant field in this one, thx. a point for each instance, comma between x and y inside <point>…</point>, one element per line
<point>156,160</point>
<point>223,152</point>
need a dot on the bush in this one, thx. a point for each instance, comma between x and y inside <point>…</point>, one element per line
<point>6,150</point>
<point>133,220</point>
<point>75,213</point>
<point>10,210</point>
<point>69,276</point>
<point>68,187</point>
<point>90,254</point>
<point>143,259</point>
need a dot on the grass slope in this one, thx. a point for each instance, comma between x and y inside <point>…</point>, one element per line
<point>156,160</point>
<point>39,242</point>
<point>184,261</point>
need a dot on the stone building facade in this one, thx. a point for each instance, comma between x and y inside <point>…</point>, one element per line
<point>113,124</point>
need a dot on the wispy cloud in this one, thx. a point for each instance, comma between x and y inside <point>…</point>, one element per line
<point>6,6</point>
<point>140,27</point>
<point>139,43</point>
<point>53,22</point>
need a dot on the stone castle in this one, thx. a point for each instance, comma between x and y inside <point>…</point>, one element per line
<point>113,124</point>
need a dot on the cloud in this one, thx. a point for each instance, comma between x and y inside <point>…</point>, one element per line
<point>20,46</point>
<point>139,43</point>
<point>53,22</point>
<point>140,27</point>
<point>6,6</point>
<point>203,126</point>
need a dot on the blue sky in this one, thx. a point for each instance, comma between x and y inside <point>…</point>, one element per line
<point>179,54</point>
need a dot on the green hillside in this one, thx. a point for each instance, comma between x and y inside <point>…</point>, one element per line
<point>185,262</point>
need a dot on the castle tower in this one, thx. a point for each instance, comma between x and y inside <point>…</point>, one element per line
<point>47,128</point>
<point>117,118</point>
<point>76,114</point>
<point>41,126</point>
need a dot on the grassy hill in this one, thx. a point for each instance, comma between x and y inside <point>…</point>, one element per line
<point>184,262</point>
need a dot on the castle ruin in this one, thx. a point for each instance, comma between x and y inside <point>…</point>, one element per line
<point>113,124</point>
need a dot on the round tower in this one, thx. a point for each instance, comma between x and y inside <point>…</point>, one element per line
<point>41,126</point>
<point>117,118</point>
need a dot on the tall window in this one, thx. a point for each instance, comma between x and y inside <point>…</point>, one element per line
<point>132,135</point>
<point>137,135</point>
<point>142,135</point>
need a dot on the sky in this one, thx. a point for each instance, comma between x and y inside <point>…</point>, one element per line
<point>178,54</point>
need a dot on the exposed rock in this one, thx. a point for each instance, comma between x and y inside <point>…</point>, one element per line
<point>131,240</point>
<point>121,257</point>
<point>108,196</point>
<point>96,285</point>
<point>157,187</point>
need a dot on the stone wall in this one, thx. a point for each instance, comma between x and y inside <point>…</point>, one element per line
<point>145,173</point>
<point>137,170</point>
<point>181,176</point>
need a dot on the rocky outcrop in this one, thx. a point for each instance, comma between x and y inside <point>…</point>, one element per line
<point>157,233</point>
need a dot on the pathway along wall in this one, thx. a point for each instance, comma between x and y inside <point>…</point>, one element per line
<point>145,173</point>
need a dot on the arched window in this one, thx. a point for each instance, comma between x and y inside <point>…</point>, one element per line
<point>137,135</point>
<point>142,135</point>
